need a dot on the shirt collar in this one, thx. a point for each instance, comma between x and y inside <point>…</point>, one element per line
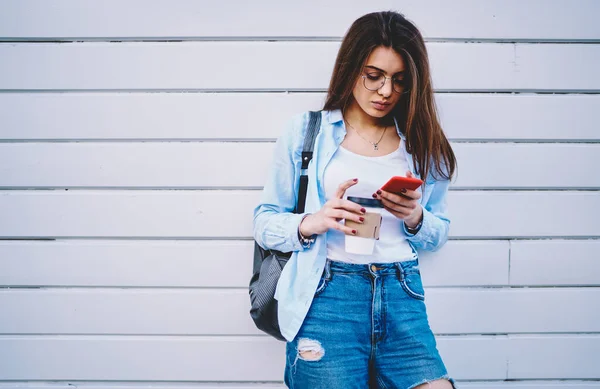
<point>335,116</point>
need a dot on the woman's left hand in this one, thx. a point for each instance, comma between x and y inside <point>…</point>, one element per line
<point>404,206</point>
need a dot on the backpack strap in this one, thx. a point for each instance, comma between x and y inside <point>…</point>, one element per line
<point>314,125</point>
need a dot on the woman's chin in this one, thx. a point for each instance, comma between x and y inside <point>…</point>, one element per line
<point>376,113</point>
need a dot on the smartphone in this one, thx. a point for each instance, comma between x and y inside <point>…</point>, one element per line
<point>397,183</point>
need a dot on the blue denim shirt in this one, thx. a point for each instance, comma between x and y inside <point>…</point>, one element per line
<point>276,227</point>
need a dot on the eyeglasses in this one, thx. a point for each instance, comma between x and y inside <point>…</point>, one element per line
<point>375,80</point>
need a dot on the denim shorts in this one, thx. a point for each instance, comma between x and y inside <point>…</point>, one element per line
<point>367,327</point>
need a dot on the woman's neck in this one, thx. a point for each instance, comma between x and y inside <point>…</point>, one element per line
<point>366,124</point>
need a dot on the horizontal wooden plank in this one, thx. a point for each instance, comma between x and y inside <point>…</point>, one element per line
<point>468,19</point>
<point>201,358</point>
<point>519,117</point>
<point>201,263</point>
<point>172,116</point>
<point>530,356</point>
<point>195,214</point>
<point>523,310</point>
<point>208,214</point>
<point>572,384</point>
<point>451,311</point>
<point>564,262</point>
<point>126,263</point>
<point>191,165</point>
<point>538,165</point>
<point>138,385</point>
<point>292,66</point>
<point>523,214</point>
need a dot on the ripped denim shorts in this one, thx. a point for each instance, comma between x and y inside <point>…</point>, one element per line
<point>367,327</point>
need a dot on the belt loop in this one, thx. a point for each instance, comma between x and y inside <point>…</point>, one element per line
<point>400,271</point>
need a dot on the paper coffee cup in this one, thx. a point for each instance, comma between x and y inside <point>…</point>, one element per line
<point>368,232</point>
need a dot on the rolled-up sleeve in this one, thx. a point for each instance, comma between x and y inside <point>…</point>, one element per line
<point>275,224</point>
<point>436,224</point>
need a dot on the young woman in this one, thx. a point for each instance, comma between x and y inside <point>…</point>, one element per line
<point>355,320</point>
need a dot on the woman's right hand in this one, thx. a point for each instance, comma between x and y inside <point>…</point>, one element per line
<point>332,212</point>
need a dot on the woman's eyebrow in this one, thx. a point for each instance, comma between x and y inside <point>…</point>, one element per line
<point>383,71</point>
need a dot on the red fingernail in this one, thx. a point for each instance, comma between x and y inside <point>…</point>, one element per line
<point>403,190</point>
<point>362,219</point>
<point>356,179</point>
<point>354,232</point>
<point>374,196</point>
<point>363,210</point>
<point>378,192</point>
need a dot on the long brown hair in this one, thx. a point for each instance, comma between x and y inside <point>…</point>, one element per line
<point>415,111</point>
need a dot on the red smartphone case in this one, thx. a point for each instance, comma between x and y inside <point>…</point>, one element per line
<point>397,183</point>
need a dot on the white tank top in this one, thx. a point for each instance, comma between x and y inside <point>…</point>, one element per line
<point>372,173</point>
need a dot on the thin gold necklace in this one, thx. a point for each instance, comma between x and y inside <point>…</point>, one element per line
<point>375,145</point>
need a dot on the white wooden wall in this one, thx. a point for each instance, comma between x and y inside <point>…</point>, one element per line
<point>133,147</point>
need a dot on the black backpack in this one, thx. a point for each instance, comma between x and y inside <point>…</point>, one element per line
<point>268,264</point>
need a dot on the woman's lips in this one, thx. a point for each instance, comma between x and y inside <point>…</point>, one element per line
<point>379,106</point>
